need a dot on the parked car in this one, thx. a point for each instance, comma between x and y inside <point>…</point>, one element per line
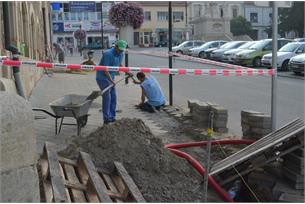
<point>199,51</point>
<point>229,56</point>
<point>186,45</point>
<point>284,54</point>
<point>299,39</point>
<point>296,64</point>
<point>218,53</point>
<point>253,55</point>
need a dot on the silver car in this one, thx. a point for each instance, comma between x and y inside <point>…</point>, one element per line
<point>186,45</point>
<point>199,51</point>
<point>218,53</point>
<point>229,55</point>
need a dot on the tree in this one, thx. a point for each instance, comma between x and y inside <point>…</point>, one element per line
<point>292,19</point>
<point>240,26</point>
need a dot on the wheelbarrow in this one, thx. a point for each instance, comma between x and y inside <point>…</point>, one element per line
<point>72,105</point>
<point>76,106</point>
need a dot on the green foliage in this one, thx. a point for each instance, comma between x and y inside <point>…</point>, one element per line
<point>240,26</point>
<point>292,19</point>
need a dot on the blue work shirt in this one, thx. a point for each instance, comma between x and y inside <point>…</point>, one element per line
<point>110,58</point>
<point>153,91</point>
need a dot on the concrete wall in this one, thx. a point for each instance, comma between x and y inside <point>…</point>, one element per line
<point>18,155</point>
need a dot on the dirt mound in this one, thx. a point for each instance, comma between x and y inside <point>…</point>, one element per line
<point>160,175</point>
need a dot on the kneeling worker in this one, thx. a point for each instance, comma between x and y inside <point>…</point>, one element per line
<point>152,91</point>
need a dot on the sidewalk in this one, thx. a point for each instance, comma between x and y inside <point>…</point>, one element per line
<point>49,89</point>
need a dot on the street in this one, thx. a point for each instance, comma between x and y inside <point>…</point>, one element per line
<point>234,93</point>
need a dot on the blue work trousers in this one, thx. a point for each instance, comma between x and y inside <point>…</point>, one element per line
<point>109,100</point>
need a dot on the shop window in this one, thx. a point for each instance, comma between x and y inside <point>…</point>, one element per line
<point>66,7</point>
<point>60,16</point>
<point>54,15</point>
<point>86,16</point>
<point>136,38</point>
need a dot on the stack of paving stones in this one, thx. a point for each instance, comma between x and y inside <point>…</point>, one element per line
<point>255,125</point>
<point>293,168</point>
<point>200,112</point>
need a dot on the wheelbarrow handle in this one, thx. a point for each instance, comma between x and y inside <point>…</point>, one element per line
<point>45,111</point>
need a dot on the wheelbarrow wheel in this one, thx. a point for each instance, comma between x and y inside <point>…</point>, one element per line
<point>83,120</point>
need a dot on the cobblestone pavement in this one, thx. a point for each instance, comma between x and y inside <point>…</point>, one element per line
<point>49,89</point>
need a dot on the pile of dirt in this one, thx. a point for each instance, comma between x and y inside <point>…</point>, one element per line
<point>160,175</point>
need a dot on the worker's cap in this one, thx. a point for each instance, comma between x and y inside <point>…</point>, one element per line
<point>121,44</point>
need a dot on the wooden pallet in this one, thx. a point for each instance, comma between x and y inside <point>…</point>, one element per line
<point>66,180</point>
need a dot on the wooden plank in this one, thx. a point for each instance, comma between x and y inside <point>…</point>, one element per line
<point>97,183</point>
<point>48,192</point>
<point>63,177</point>
<point>111,185</point>
<point>76,186</point>
<point>77,195</point>
<point>134,191</point>
<point>44,168</point>
<point>59,192</point>
<point>67,161</point>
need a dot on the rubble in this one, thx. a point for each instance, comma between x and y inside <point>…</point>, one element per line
<point>160,175</point>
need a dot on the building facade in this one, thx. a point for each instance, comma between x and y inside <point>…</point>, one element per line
<point>67,17</point>
<point>260,19</point>
<point>211,20</point>
<point>26,26</point>
<point>154,30</point>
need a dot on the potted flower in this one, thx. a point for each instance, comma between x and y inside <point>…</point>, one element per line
<point>80,35</point>
<point>126,16</point>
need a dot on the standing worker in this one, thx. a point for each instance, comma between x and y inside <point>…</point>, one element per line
<point>111,57</point>
<point>60,52</point>
<point>152,91</point>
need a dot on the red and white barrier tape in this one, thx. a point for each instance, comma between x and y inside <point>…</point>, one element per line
<point>210,72</point>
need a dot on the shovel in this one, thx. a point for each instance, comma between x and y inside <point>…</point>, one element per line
<point>96,94</point>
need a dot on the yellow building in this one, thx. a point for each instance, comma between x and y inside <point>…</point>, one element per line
<point>154,30</point>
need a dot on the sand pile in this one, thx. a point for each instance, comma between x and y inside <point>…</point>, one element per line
<point>160,175</point>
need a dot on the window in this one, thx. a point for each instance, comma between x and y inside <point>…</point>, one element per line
<point>234,12</point>
<point>178,16</point>
<point>73,16</point>
<point>86,16</point>
<point>253,18</point>
<point>66,15</point>
<point>99,16</point>
<point>60,17</point>
<point>196,44</point>
<point>54,17</point>
<point>66,7</point>
<point>92,16</point>
<point>79,16</point>
<point>147,16</point>
<point>98,7</point>
<point>162,16</point>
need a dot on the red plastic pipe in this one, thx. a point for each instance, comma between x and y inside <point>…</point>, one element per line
<point>203,143</point>
<point>200,169</point>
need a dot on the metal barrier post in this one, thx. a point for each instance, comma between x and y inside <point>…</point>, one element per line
<point>126,65</point>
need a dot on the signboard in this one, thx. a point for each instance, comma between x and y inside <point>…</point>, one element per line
<point>72,26</point>
<point>82,6</point>
<point>279,4</point>
<point>57,27</point>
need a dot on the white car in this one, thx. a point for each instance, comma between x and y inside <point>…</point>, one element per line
<point>284,54</point>
<point>296,64</point>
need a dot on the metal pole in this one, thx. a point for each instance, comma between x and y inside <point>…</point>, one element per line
<point>170,57</point>
<point>274,65</point>
<point>102,25</point>
<point>126,65</point>
<point>304,21</point>
<point>207,166</point>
